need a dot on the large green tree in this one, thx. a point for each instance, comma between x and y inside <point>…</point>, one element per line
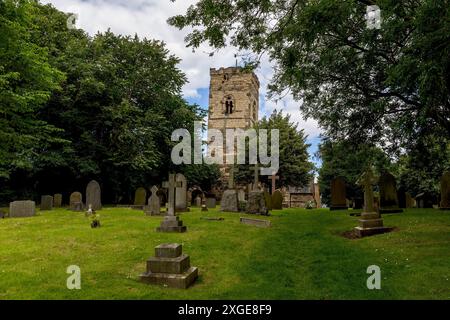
<point>388,85</point>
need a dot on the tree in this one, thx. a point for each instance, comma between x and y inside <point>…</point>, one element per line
<point>347,160</point>
<point>387,85</point>
<point>295,168</point>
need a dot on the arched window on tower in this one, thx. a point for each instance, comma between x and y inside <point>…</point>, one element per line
<point>255,116</point>
<point>229,105</point>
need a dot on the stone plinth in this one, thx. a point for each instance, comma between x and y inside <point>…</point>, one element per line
<point>171,224</point>
<point>170,267</point>
<point>229,202</point>
<point>371,224</point>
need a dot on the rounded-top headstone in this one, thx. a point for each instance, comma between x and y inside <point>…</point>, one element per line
<point>388,191</point>
<point>277,200</point>
<point>140,196</point>
<point>93,195</point>
<point>338,193</point>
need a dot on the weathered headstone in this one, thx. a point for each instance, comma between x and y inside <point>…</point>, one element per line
<point>338,194</point>
<point>268,200</point>
<point>277,200</point>
<point>229,202</point>
<point>256,203</point>
<point>154,205</point>
<point>46,203</point>
<point>140,196</point>
<point>171,222</point>
<point>170,267</point>
<point>20,209</point>
<point>256,222</point>
<point>211,202</point>
<point>181,193</point>
<point>388,194</point>
<point>445,191</point>
<point>198,201</point>
<point>371,222</point>
<point>241,195</point>
<point>57,200</point>
<point>76,201</point>
<point>94,195</point>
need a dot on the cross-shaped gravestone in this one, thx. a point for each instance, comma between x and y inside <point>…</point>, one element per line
<point>274,178</point>
<point>172,184</point>
<point>256,178</point>
<point>367,179</point>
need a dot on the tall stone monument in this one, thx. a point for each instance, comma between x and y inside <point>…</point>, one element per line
<point>170,267</point>
<point>93,195</point>
<point>181,193</point>
<point>388,194</point>
<point>371,222</point>
<point>445,191</point>
<point>171,222</point>
<point>338,194</point>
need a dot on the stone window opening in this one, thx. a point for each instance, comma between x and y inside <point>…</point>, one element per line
<point>229,106</point>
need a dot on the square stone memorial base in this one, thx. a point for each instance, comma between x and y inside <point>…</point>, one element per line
<point>371,224</point>
<point>171,224</point>
<point>170,267</point>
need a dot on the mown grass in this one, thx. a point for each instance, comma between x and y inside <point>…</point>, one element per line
<point>303,256</point>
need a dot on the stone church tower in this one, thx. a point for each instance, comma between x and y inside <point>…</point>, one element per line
<point>233,101</point>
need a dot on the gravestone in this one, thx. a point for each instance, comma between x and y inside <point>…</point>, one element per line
<point>20,209</point>
<point>241,195</point>
<point>57,200</point>
<point>445,191</point>
<point>140,196</point>
<point>198,201</point>
<point>268,200</point>
<point>211,202</point>
<point>94,195</point>
<point>171,222</point>
<point>154,204</point>
<point>338,194</point>
<point>170,267</point>
<point>76,201</point>
<point>181,193</point>
<point>371,222</point>
<point>409,200</point>
<point>277,200</point>
<point>388,194</point>
<point>229,202</point>
<point>46,203</point>
<point>256,222</point>
<point>256,203</point>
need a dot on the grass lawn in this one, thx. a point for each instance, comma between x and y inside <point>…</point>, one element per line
<point>303,256</point>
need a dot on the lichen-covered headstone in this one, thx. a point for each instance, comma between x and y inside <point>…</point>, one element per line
<point>93,195</point>
<point>445,191</point>
<point>57,200</point>
<point>277,200</point>
<point>338,194</point>
<point>20,209</point>
<point>256,203</point>
<point>140,196</point>
<point>46,203</point>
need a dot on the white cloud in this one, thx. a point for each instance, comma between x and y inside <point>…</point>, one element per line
<point>147,18</point>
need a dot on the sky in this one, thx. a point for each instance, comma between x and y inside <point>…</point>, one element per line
<point>148,18</point>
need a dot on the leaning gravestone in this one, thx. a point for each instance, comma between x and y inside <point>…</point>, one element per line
<point>277,200</point>
<point>445,191</point>
<point>388,194</point>
<point>181,193</point>
<point>154,204</point>
<point>76,201</point>
<point>46,203</point>
<point>170,267</point>
<point>93,195</point>
<point>338,194</point>
<point>57,200</point>
<point>20,209</point>
<point>140,196</point>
